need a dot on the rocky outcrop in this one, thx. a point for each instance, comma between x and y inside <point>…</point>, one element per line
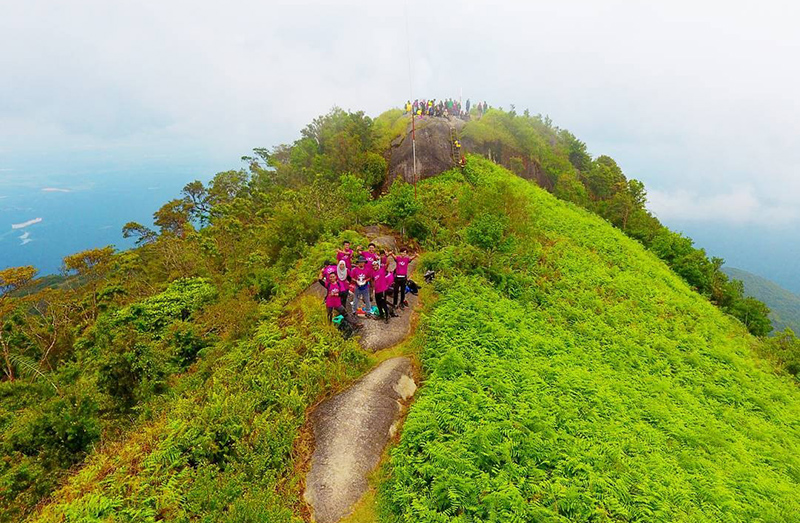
<point>434,151</point>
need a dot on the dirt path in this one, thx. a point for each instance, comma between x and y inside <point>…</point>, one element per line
<point>351,431</point>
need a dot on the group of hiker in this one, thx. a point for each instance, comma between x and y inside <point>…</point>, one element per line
<point>360,276</point>
<point>448,107</point>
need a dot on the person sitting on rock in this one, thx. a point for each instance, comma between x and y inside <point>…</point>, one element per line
<point>361,277</point>
<point>333,300</point>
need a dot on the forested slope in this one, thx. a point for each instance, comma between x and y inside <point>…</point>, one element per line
<point>571,376</point>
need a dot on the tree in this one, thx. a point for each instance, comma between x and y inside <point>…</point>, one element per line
<point>143,235</point>
<point>173,218</point>
<point>401,204</point>
<point>90,266</point>
<point>374,169</point>
<point>12,280</point>
<point>638,193</point>
<point>225,187</point>
<point>754,314</point>
<point>579,157</point>
<point>604,178</point>
<point>351,189</point>
<point>196,196</point>
<point>49,322</point>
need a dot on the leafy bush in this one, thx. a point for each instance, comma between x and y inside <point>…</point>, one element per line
<point>178,301</point>
<point>60,433</point>
<point>487,231</point>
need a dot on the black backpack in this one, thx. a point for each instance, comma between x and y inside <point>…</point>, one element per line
<point>346,328</point>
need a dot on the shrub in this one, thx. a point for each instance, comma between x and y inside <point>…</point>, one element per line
<point>487,231</point>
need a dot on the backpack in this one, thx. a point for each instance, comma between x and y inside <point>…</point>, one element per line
<point>346,329</point>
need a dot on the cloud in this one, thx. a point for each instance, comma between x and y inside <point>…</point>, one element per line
<point>25,237</point>
<point>26,224</point>
<point>740,206</point>
<point>687,96</point>
<point>55,189</point>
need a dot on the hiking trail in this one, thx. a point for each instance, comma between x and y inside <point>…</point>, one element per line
<point>351,430</point>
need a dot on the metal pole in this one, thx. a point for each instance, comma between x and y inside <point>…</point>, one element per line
<point>411,93</point>
<point>414,150</point>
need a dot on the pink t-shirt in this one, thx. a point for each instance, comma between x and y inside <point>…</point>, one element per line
<point>334,298</point>
<point>328,270</point>
<point>346,256</point>
<point>369,256</point>
<point>361,276</point>
<point>384,282</point>
<point>402,265</point>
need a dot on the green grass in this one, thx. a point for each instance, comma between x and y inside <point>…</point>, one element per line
<point>570,376</point>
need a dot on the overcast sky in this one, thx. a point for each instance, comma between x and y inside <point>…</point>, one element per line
<point>699,99</point>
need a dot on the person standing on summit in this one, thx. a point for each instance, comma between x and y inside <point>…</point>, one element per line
<point>467,106</point>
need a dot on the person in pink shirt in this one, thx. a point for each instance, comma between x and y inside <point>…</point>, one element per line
<point>346,254</point>
<point>361,277</point>
<point>383,283</point>
<point>343,275</point>
<point>333,299</point>
<point>375,270</point>
<point>328,268</point>
<point>402,263</point>
<point>369,255</point>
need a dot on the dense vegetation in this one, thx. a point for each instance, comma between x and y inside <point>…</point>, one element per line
<point>784,305</point>
<point>173,378</point>
<point>532,143</point>
<point>572,377</point>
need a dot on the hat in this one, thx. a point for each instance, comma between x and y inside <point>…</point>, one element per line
<point>361,259</point>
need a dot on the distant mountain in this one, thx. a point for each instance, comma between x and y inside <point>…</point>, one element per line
<point>785,305</point>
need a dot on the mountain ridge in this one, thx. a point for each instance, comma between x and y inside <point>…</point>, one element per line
<point>580,361</point>
<point>784,304</point>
